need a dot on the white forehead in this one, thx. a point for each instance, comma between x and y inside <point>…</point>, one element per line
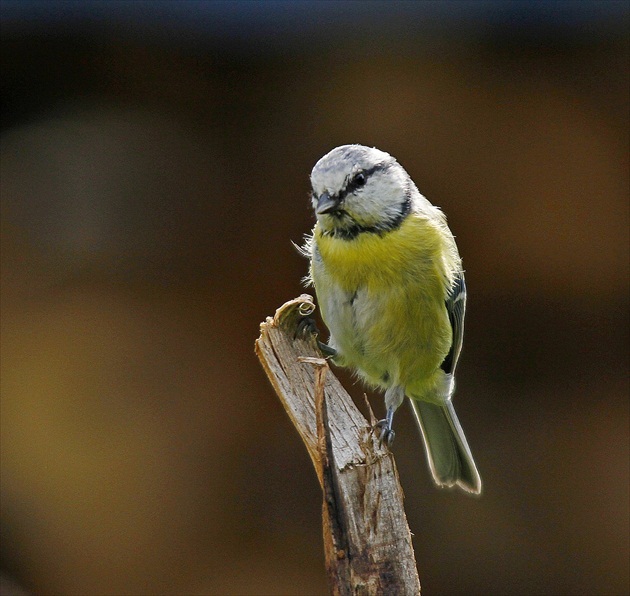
<point>332,171</point>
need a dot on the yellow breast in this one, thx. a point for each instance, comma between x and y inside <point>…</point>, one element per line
<point>398,325</point>
<point>418,247</point>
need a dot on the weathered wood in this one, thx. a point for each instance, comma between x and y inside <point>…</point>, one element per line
<point>367,540</point>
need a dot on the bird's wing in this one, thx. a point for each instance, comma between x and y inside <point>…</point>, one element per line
<point>456,308</point>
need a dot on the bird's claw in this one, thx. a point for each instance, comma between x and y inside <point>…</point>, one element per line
<point>308,325</point>
<point>385,432</point>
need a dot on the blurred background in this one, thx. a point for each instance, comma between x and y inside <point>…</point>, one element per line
<point>154,171</point>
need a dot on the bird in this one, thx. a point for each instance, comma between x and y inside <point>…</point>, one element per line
<point>391,290</point>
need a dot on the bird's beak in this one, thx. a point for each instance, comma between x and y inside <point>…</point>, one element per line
<point>327,203</point>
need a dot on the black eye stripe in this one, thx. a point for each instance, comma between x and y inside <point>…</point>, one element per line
<point>352,183</point>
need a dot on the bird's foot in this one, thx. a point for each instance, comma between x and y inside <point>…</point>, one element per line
<point>384,428</point>
<point>385,432</point>
<point>308,325</point>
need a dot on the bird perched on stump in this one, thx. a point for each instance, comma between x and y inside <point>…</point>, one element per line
<point>391,290</point>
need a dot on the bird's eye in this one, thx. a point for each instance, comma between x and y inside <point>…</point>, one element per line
<point>359,179</point>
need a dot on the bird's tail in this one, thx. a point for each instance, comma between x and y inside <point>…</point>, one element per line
<point>449,456</point>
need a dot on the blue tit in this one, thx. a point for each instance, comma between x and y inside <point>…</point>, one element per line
<point>390,287</point>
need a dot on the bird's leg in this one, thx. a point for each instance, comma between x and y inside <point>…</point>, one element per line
<point>326,349</point>
<point>393,398</point>
<point>308,325</point>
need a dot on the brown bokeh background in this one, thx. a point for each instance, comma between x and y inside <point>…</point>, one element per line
<point>154,171</point>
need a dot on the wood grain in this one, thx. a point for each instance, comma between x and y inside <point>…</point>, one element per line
<point>367,541</point>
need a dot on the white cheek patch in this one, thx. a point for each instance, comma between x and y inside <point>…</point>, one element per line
<point>380,201</point>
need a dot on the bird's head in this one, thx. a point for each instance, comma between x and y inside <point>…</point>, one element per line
<point>360,189</point>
